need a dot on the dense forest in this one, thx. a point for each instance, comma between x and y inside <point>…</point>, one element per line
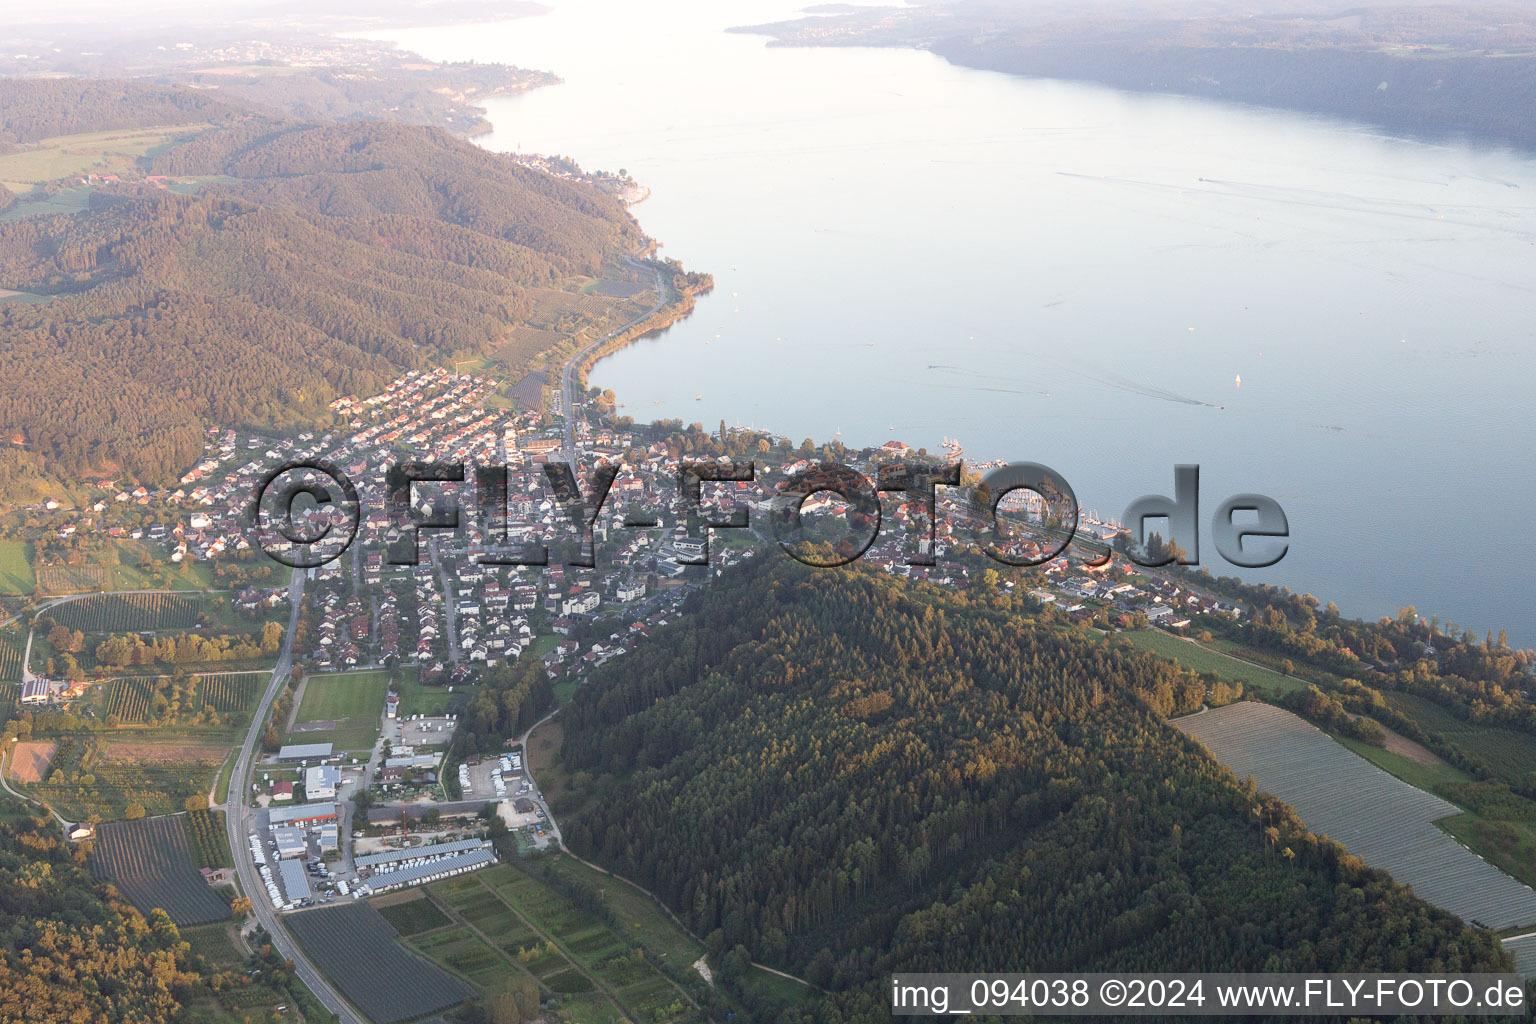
<point>317,261</point>
<point>41,108</point>
<point>845,775</point>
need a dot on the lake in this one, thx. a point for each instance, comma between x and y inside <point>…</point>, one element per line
<point>1072,275</point>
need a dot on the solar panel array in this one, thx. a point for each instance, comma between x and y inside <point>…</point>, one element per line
<point>1379,818</point>
<point>431,869</point>
<point>368,860</point>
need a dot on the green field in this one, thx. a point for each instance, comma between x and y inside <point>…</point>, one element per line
<point>413,917</point>
<point>1428,777</point>
<point>639,918</point>
<point>1199,658</point>
<point>1509,754</point>
<point>353,700</point>
<point>565,947</point>
<point>1508,845</point>
<point>12,643</point>
<point>16,575</point>
<point>216,943</point>
<point>110,152</point>
<point>416,699</point>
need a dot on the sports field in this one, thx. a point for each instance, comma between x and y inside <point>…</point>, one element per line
<point>351,702</point>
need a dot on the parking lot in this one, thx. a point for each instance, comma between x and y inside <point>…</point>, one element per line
<point>420,732</point>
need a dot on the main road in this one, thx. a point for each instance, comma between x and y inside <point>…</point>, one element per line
<point>237,809</point>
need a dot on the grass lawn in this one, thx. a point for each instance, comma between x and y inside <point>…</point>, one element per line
<point>1508,845</point>
<point>16,568</point>
<point>352,700</point>
<point>221,787</point>
<point>416,699</point>
<point>1200,658</point>
<point>1427,777</point>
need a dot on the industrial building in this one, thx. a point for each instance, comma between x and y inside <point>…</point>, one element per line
<point>295,881</point>
<point>320,782</point>
<point>430,870</point>
<point>290,842</point>
<point>421,853</point>
<point>304,752</point>
<point>302,814</point>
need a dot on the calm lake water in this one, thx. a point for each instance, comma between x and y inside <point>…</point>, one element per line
<point>1075,276</point>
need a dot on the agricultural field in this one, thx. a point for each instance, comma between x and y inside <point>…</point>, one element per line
<point>1511,755</point>
<point>149,863</point>
<point>128,613</point>
<point>93,775</point>
<point>510,955</point>
<point>207,839</point>
<point>617,962</point>
<point>108,152</point>
<point>12,645</point>
<point>412,914</point>
<point>216,943</point>
<point>229,693</point>
<point>72,579</point>
<point>351,702</point>
<point>1508,845</point>
<point>355,947</point>
<point>30,760</point>
<point>1381,819</point>
<point>1199,658</point>
<point>16,575</point>
<point>640,920</point>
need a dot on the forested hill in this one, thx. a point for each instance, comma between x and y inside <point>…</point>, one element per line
<point>296,263</point>
<point>33,109</point>
<point>845,775</point>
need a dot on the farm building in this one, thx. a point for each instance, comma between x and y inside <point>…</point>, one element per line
<point>34,691</point>
<point>302,814</point>
<point>304,752</point>
<point>289,841</point>
<point>320,782</point>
